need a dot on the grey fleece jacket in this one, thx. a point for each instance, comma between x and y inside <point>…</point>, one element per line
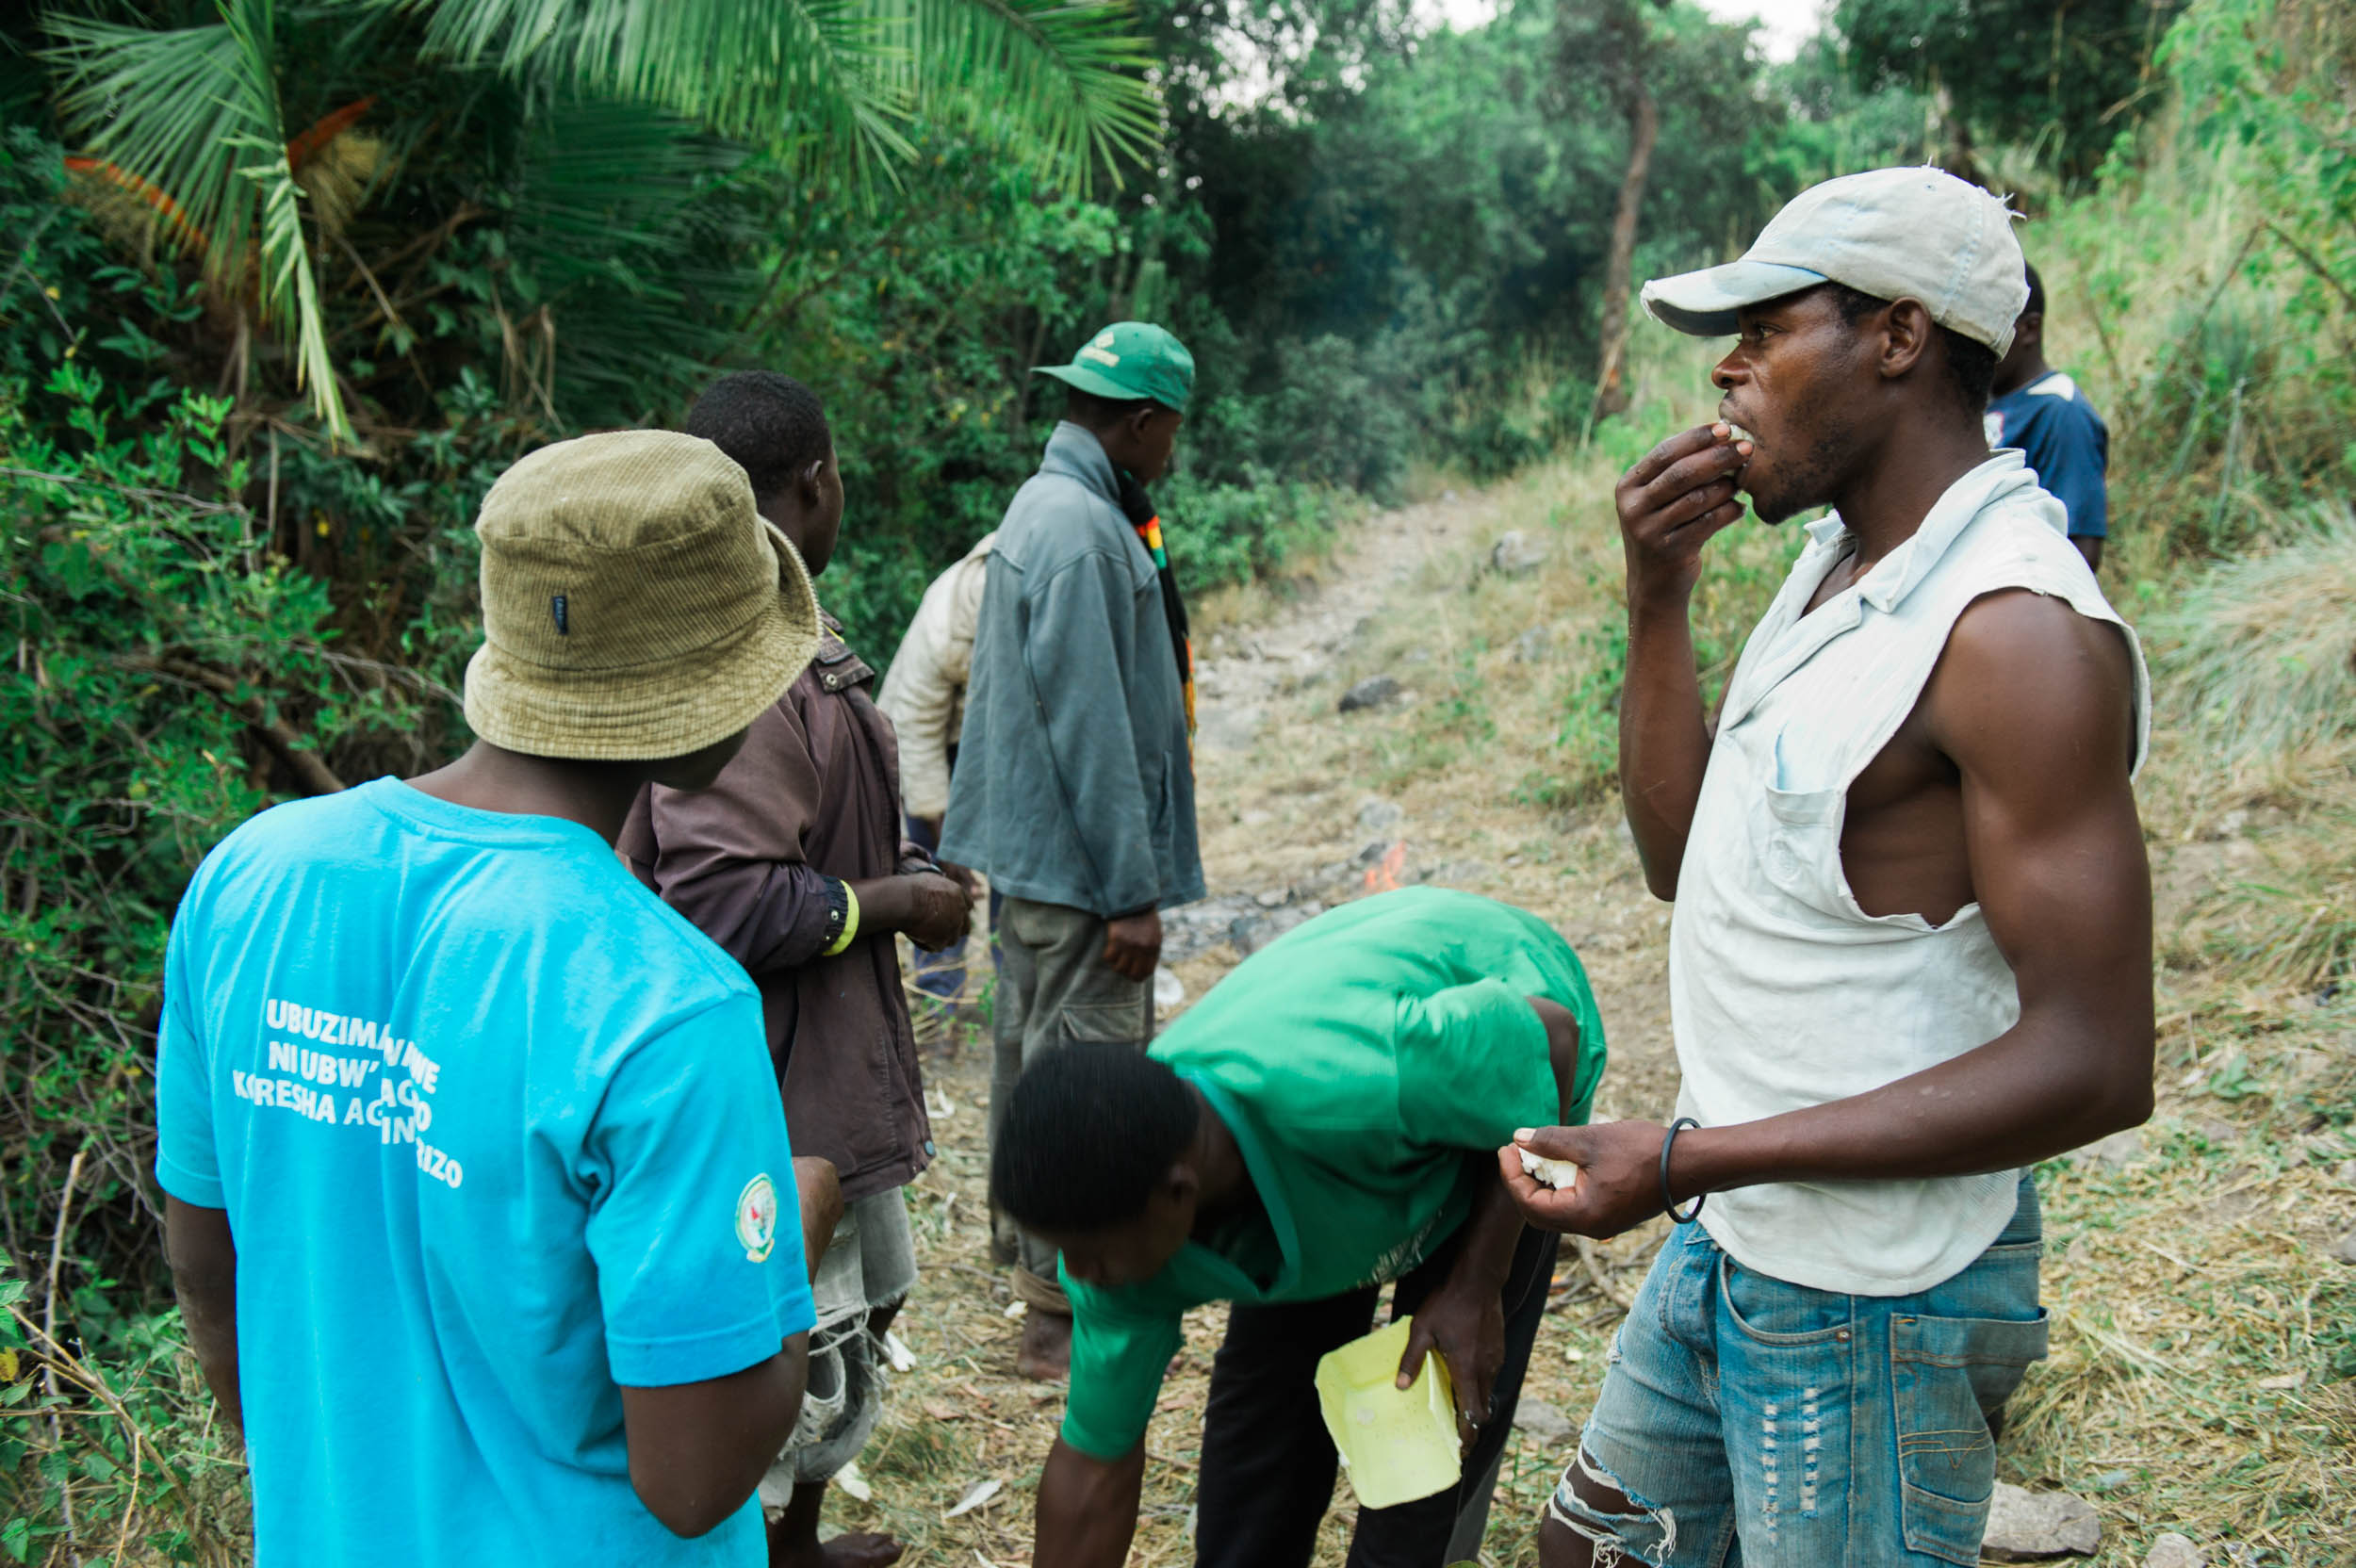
<point>1073,784</point>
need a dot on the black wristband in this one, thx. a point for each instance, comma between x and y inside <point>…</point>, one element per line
<point>1668,1198</point>
<point>838,915</point>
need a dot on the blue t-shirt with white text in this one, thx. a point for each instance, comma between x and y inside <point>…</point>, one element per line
<point>2056,429</point>
<point>496,1133</point>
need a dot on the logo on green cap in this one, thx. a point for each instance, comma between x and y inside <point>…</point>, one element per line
<point>1127,360</point>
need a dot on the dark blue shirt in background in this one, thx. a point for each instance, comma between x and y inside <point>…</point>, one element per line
<point>2057,430</point>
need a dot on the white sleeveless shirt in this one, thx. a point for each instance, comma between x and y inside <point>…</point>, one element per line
<point>1784,993</point>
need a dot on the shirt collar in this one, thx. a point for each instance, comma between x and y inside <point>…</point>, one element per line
<point>1904,569</point>
<point>1075,451</point>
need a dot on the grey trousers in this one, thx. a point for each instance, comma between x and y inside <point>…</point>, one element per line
<point>1054,988</point>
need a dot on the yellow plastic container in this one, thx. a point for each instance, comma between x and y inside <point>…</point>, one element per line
<point>1398,1443</point>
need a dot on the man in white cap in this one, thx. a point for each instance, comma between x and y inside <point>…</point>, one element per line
<point>1913,947</point>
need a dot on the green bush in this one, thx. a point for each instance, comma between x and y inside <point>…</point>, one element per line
<point>168,677</point>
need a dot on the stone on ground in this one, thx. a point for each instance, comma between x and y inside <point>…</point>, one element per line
<point>2119,1151</point>
<point>1543,1422</point>
<point>1373,691</point>
<point>1249,933</point>
<point>2172,1550</point>
<point>2346,1249</point>
<point>2032,1526</point>
<point>1376,815</point>
<point>1515,553</point>
<point>1231,725</point>
<point>2215,1129</point>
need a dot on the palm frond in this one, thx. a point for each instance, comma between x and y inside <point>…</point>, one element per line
<point>193,112</point>
<point>809,77</point>
<point>289,290</point>
<point>827,81</point>
<point>630,228</point>
<point>1066,76</point>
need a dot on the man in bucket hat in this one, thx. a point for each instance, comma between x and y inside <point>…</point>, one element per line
<point>479,1202</point>
<point>1074,789</point>
<point>1911,954</point>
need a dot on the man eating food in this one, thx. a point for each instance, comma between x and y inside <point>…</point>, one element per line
<point>1911,954</point>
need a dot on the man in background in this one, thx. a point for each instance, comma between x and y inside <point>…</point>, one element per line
<point>469,1142</point>
<point>2041,411</point>
<point>1074,788</point>
<point>923,696</point>
<point>793,862</point>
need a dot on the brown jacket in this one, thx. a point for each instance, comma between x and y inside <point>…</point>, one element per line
<point>814,796</point>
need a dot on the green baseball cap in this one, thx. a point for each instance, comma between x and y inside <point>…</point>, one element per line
<point>1130,360</point>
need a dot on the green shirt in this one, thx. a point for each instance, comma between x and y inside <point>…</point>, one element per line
<point>1357,1061</point>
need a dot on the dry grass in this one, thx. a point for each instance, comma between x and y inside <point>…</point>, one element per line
<point>2262,650</point>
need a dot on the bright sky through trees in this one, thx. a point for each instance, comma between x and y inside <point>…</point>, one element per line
<point>1785,25</point>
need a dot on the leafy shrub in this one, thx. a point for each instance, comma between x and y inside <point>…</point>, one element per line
<point>1222,533</point>
<point>169,678</point>
<point>107,1437</point>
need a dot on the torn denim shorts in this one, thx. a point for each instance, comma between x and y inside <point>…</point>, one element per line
<point>870,1265</point>
<point>1749,1421</point>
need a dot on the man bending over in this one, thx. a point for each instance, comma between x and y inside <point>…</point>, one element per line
<point>1323,1123</point>
<point>1912,948</point>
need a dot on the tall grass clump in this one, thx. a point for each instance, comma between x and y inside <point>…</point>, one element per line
<point>2258,652</point>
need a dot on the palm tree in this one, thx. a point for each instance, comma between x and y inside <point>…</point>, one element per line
<point>191,121</point>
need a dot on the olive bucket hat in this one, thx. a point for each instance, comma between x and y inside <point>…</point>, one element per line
<point>635,605</point>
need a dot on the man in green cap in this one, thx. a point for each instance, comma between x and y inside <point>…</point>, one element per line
<point>1075,787</point>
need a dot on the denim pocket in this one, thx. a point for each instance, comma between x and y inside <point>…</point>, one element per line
<point>1946,1374</point>
<point>1777,1314</point>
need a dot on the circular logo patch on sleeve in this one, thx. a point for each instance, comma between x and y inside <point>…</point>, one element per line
<point>757,1218</point>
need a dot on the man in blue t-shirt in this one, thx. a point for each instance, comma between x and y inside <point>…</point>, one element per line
<point>479,1198</point>
<point>2039,409</point>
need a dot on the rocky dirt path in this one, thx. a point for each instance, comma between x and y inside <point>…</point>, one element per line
<point>1296,815</point>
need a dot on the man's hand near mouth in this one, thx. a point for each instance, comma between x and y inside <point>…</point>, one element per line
<point>1675,497</point>
<point>1670,503</point>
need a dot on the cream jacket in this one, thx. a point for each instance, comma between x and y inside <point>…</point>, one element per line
<point>923,691</point>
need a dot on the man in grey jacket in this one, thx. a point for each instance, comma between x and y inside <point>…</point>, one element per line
<point>1074,788</point>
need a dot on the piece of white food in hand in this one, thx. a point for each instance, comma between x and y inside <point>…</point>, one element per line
<point>1560,1175</point>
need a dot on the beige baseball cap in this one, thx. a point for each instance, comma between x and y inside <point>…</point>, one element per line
<point>1918,233</point>
<point>635,606</point>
